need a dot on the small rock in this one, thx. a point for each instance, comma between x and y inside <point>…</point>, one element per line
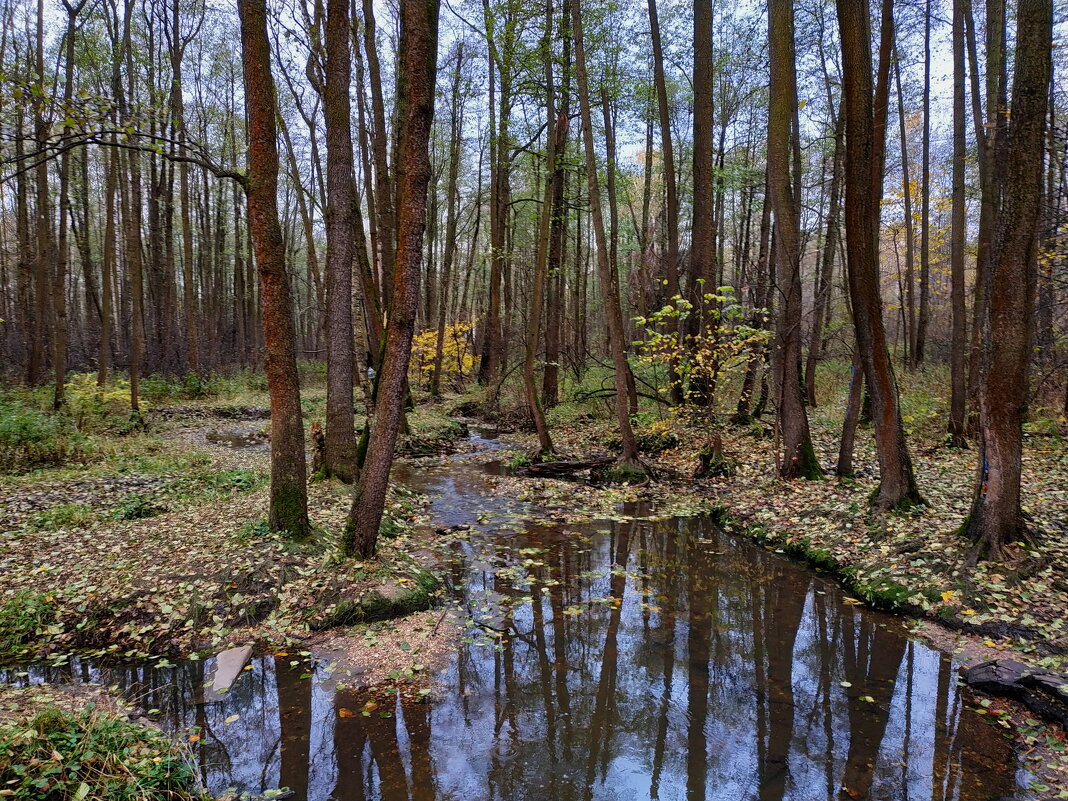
<point>228,667</point>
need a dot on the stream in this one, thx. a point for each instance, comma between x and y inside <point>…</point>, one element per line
<point>643,659</point>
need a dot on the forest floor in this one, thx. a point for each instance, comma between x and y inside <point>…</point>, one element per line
<point>157,544</point>
<point>153,543</point>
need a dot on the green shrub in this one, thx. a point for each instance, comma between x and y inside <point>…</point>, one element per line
<point>137,507</point>
<point>96,409</point>
<point>58,756</point>
<point>519,459</point>
<point>21,618</point>
<point>63,515</point>
<point>32,438</point>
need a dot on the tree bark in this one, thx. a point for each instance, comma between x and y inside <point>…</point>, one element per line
<point>865,121</point>
<point>452,214</point>
<point>610,293</point>
<point>288,495</point>
<point>826,270</point>
<point>417,69</point>
<point>339,458</point>
<point>671,257</point>
<point>555,136</point>
<point>996,519</point>
<point>925,199</point>
<point>799,457</point>
<point>958,233</point>
<point>703,315</point>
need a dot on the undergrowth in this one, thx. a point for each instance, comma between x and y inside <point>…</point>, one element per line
<point>60,756</point>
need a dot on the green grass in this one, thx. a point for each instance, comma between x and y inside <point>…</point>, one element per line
<point>22,616</point>
<point>59,756</point>
<point>63,515</point>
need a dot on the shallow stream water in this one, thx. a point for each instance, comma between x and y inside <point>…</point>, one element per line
<point>643,659</point>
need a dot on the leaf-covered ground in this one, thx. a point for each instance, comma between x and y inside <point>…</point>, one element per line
<point>164,550</point>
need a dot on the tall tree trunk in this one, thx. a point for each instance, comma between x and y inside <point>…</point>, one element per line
<point>671,257</point>
<point>557,235</point>
<point>379,148</point>
<point>555,135</point>
<point>133,211</point>
<point>59,286</point>
<point>189,296</point>
<point>613,228</point>
<point>610,293</point>
<point>996,519</point>
<point>339,459</point>
<point>990,140</point>
<point>925,199</point>
<point>826,270</point>
<point>45,255</point>
<point>289,494</point>
<point>703,234</point>
<point>452,214</point>
<point>865,121</point>
<point>910,234</point>
<point>417,70</point>
<point>799,457</point>
<point>957,236</point>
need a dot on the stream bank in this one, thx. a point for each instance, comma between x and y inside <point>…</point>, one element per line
<point>636,653</point>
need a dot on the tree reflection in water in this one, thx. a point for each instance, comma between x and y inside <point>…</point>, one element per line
<point>652,660</point>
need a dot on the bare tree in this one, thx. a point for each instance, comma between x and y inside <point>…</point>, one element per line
<point>418,63</point>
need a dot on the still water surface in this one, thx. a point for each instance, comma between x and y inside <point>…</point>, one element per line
<point>646,659</point>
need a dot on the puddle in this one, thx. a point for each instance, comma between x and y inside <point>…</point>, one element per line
<point>649,659</point>
<point>254,439</point>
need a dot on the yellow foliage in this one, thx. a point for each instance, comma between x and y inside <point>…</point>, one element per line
<point>457,353</point>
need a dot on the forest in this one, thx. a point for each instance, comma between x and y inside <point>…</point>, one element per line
<point>661,375</point>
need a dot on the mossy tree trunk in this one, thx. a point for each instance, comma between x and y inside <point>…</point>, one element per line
<point>996,518</point>
<point>289,493</point>
<point>418,63</point>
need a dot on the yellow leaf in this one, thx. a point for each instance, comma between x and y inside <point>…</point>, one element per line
<point>949,596</point>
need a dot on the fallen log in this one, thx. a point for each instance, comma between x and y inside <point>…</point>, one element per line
<point>1042,691</point>
<point>565,468</point>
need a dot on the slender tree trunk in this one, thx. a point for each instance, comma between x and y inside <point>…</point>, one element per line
<point>826,270</point>
<point>671,257</point>
<point>925,199</point>
<point>557,236</point>
<point>799,457</point>
<point>957,235</point>
<point>758,316</point>
<point>996,518</point>
<point>417,70</point>
<point>59,286</point>
<point>613,229</point>
<point>865,121</point>
<point>629,456</point>
<point>339,459</point>
<point>910,234</point>
<point>854,400</point>
<point>379,149</point>
<point>703,234</point>
<point>452,214</point>
<point>132,219</point>
<point>289,495</point>
<point>555,136</point>
<point>45,254</point>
